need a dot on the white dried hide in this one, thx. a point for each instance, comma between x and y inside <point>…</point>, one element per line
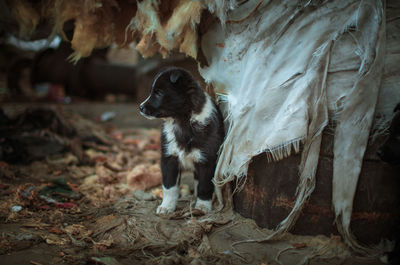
<point>283,66</point>
<point>221,8</point>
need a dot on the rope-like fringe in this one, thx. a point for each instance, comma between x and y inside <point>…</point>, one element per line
<point>379,127</point>
<point>273,154</point>
<point>284,150</point>
<point>352,242</point>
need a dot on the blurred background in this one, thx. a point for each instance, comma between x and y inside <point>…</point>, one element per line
<point>112,80</point>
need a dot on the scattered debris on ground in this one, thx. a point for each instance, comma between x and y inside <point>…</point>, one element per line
<point>93,201</point>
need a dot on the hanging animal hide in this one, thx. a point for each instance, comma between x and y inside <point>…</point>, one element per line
<point>166,26</point>
<point>157,26</point>
<point>284,68</point>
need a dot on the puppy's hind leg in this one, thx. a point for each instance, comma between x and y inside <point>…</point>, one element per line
<point>170,173</point>
<point>204,173</point>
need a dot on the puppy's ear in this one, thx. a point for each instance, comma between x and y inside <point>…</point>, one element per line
<point>174,76</point>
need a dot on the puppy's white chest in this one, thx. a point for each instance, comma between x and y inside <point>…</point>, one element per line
<point>186,159</point>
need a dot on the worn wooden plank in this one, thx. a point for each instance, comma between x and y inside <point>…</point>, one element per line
<point>269,195</point>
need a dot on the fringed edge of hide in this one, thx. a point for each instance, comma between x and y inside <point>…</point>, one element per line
<point>274,154</point>
<point>284,150</point>
<point>379,128</point>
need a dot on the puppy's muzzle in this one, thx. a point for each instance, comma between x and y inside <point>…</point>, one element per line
<point>145,111</point>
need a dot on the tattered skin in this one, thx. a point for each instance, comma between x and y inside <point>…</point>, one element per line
<point>157,26</point>
<point>27,16</point>
<point>164,34</point>
<point>93,24</point>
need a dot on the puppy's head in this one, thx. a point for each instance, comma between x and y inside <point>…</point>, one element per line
<point>390,149</point>
<point>170,94</point>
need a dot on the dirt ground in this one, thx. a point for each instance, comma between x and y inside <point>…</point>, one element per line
<point>98,207</point>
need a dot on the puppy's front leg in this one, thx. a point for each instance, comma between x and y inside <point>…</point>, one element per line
<point>204,173</point>
<point>170,171</point>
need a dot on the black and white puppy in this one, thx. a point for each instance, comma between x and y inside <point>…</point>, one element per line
<point>192,133</point>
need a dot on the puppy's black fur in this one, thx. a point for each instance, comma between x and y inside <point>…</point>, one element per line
<point>390,149</point>
<point>175,97</point>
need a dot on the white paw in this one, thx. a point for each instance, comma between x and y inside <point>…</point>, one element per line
<point>164,210</point>
<point>170,199</point>
<point>203,205</point>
